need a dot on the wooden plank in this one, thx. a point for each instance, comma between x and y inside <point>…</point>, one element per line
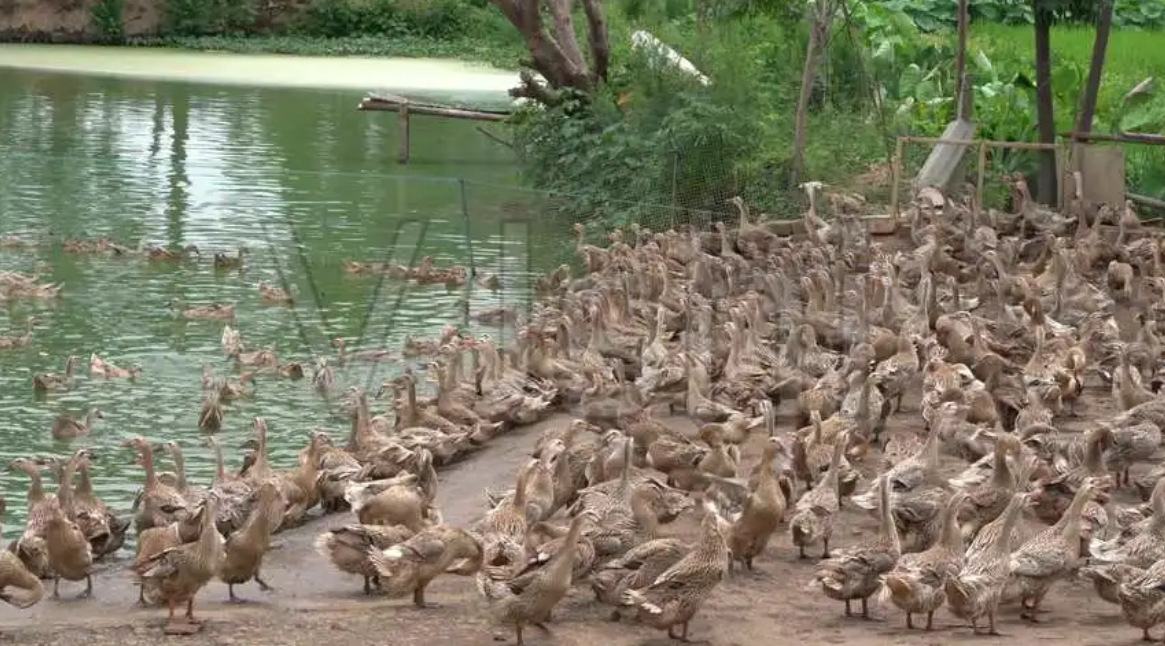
<point>943,163</point>
<point>1104,173</point>
<point>382,104</point>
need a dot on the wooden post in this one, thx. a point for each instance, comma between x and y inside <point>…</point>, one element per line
<point>981,177</point>
<point>402,120</point>
<point>964,93</point>
<point>896,178</point>
<point>1092,87</point>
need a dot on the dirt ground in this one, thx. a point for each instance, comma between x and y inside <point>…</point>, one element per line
<point>313,603</point>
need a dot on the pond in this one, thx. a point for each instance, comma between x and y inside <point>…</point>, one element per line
<point>94,143</point>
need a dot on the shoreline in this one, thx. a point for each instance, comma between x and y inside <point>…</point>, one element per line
<point>441,76</point>
<point>489,53</point>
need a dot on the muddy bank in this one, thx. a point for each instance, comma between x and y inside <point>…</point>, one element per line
<point>74,22</point>
<point>71,21</point>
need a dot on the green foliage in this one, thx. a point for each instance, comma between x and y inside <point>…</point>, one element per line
<point>209,17</point>
<point>109,20</point>
<point>499,54</point>
<point>435,19</point>
<point>936,15</point>
<point>678,143</point>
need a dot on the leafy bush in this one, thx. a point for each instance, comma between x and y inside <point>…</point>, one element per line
<point>209,17</point>
<point>934,15</point>
<point>675,143</point>
<point>436,19</point>
<point>109,20</point>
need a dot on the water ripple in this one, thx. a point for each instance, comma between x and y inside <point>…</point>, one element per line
<point>219,168</point>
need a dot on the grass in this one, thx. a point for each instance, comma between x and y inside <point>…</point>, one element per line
<point>490,51</point>
<point>1132,55</point>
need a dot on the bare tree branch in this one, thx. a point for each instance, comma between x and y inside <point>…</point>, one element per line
<point>531,89</point>
<point>555,52</point>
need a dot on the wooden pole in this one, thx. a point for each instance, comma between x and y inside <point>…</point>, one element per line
<point>981,177</point>
<point>393,104</point>
<point>402,121</point>
<point>896,178</point>
<point>963,91</point>
<point>1092,87</point>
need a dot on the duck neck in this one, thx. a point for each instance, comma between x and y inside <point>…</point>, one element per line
<point>1069,523</point>
<point>35,485</point>
<point>179,467</point>
<point>208,538</point>
<point>84,482</point>
<point>643,514</point>
<point>65,488</point>
<point>148,465</point>
<point>220,469</point>
<point>889,528</point>
<point>1010,518</point>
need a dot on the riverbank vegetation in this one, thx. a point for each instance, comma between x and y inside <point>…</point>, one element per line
<point>677,143</point>
<point>643,134</point>
<point>431,28</point>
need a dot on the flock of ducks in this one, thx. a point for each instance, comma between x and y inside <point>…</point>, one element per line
<point>1000,321</point>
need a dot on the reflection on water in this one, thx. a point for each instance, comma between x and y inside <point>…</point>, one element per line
<point>298,178</point>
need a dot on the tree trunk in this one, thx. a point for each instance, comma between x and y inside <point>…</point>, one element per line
<point>555,53</point>
<point>818,32</point>
<point>1046,118</point>
<point>1092,87</point>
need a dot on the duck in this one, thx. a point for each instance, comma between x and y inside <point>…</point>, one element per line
<point>1146,547</point>
<point>224,261</point>
<point>52,381</point>
<point>179,573</point>
<point>676,595</point>
<point>211,312</point>
<point>1142,600</point>
<point>99,367</point>
<point>637,568</point>
<point>159,254</point>
<point>22,341</point>
<point>856,573</point>
<point>69,552</point>
<point>15,575</point>
<point>974,592</point>
<point>529,599</point>
<point>242,557</point>
<point>764,510</point>
<point>1051,555</point>
<point>813,514</point>
<point>160,502</point>
<point>410,566</point>
<point>348,548</point>
<point>343,355</point>
<point>272,295</point>
<point>67,427</point>
<point>101,525</point>
<point>917,584</point>
<point>31,547</point>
